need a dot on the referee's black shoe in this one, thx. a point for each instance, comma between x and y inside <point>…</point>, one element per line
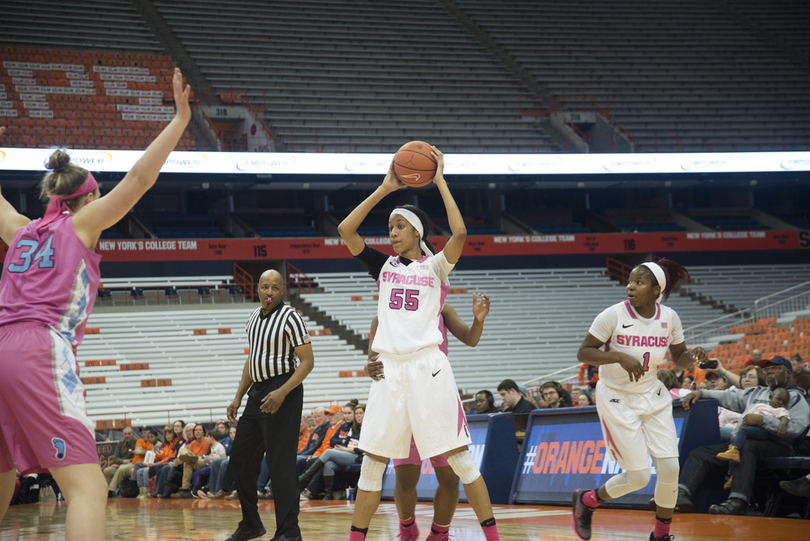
<point>244,535</point>
<point>282,538</point>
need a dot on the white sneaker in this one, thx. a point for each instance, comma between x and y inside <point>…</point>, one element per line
<point>306,494</point>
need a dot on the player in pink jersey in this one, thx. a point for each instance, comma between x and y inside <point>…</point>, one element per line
<point>634,407</point>
<point>412,288</point>
<point>50,278</point>
<point>408,470</point>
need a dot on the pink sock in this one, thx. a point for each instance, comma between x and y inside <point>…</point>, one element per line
<point>661,527</point>
<point>357,534</point>
<point>407,523</point>
<point>490,529</point>
<point>590,499</point>
<point>435,528</point>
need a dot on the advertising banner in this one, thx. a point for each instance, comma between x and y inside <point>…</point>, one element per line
<point>565,451</point>
<point>34,159</point>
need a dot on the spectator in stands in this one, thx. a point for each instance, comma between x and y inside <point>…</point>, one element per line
<point>192,458</point>
<point>314,465</point>
<point>221,481</point>
<point>303,433</point>
<point>715,382</point>
<point>344,451</point>
<point>688,383</point>
<point>168,451</point>
<point>124,472</point>
<point>703,385</point>
<point>485,403</point>
<point>165,480</point>
<point>799,375</point>
<point>142,447</point>
<point>584,400</point>
<point>751,376</point>
<point>703,460</point>
<point>226,440</point>
<point>512,399</point>
<point>555,396</point>
<point>124,452</point>
<point>575,392</point>
<point>755,360</point>
<point>524,392</point>
<point>315,438</point>
<point>217,452</point>
<point>348,411</point>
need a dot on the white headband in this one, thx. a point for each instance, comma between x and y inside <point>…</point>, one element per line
<point>660,277</point>
<point>414,220</point>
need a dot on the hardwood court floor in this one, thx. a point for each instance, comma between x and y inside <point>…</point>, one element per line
<point>135,520</point>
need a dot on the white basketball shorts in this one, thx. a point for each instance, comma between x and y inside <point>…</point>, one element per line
<point>418,397</point>
<point>637,426</point>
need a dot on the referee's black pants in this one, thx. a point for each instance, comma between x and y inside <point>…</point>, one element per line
<point>277,435</point>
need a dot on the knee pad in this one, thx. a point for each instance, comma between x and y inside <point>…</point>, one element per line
<point>463,466</point>
<point>371,475</point>
<point>666,488</point>
<point>627,482</point>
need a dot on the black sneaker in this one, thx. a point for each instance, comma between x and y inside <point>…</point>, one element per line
<point>665,537</point>
<point>244,535</point>
<point>186,494</point>
<point>797,487</point>
<point>581,516</point>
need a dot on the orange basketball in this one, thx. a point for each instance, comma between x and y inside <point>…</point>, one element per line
<point>414,165</point>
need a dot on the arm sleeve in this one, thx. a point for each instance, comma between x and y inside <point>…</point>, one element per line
<point>441,266</point>
<point>733,399</point>
<point>676,333</point>
<point>799,418</point>
<point>604,324</point>
<point>296,330</point>
<point>373,260</point>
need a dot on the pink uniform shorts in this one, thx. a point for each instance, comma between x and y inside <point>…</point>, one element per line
<point>416,460</point>
<point>44,421</point>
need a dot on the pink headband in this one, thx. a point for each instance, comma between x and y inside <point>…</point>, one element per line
<point>57,206</point>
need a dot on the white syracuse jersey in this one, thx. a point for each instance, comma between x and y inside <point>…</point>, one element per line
<point>410,303</point>
<point>623,330</point>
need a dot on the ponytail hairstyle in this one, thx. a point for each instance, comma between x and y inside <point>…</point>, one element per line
<point>427,225</point>
<point>351,404</point>
<point>674,273</point>
<point>64,179</point>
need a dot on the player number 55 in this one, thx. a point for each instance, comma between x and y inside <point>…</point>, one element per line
<point>404,298</point>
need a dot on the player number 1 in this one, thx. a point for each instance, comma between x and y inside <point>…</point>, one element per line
<point>646,365</point>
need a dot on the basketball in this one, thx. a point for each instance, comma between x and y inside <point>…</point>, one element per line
<point>414,165</point>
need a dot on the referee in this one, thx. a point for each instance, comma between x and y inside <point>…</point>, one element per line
<point>280,358</point>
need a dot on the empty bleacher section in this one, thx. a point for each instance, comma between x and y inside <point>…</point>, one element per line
<point>537,321</point>
<point>180,226</point>
<point>139,365</point>
<point>108,25</point>
<point>740,286</point>
<point>84,99</point>
<point>679,76</point>
<point>361,76</point>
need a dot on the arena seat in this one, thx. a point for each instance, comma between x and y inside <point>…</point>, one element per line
<point>337,76</point>
<point>538,317</point>
<point>678,76</point>
<point>202,369</point>
<point>45,98</point>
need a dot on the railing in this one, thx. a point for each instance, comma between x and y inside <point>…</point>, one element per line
<point>661,138</point>
<point>297,277</point>
<point>763,306</point>
<point>244,279</point>
<point>217,134</point>
<point>618,269</point>
<point>790,304</point>
<point>720,326</point>
<point>159,296</point>
<point>582,102</point>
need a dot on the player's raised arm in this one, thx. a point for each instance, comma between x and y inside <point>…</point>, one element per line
<point>106,211</point>
<point>10,219</point>
<point>455,244</point>
<point>348,227</point>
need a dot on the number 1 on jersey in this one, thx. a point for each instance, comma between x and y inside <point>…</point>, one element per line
<point>646,364</point>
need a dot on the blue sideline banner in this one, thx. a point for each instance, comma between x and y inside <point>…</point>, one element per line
<point>564,451</point>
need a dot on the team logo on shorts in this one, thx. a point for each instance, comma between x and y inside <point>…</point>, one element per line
<point>59,445</point>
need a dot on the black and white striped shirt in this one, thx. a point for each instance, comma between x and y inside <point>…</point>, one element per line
<point>272,339</point>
